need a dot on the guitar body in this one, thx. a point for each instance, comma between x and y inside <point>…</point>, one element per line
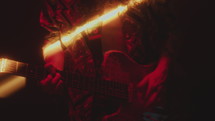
<point>120,75</point>
<point>117,66</point>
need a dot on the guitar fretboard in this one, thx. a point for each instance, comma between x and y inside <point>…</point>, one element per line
<point>76,80</point>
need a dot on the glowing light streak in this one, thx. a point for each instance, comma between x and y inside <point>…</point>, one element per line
<point>72,36</point>
<point>92,24</point>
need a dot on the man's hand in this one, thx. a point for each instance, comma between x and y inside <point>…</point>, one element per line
<point>52,83</point>
<point>154,79</point>
<point>153,83</point>
<point>153,86</point>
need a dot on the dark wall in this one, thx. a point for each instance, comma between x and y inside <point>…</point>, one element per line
<point>21,40</point>
<point>195,55</point>
<point>21,34</point>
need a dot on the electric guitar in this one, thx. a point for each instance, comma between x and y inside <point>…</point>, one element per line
<point>120,75</point>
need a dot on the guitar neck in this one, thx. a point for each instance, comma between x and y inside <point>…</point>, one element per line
<point>82,82</point>
<point>99,86</point>
<point>8,66</point>
<point>13,67</point>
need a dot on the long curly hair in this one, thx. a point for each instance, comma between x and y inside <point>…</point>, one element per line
<point>153,18</point>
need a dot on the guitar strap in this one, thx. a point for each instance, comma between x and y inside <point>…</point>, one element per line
<point>94,45</point>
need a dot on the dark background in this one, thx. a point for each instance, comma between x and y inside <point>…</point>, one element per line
<point>21,39</point>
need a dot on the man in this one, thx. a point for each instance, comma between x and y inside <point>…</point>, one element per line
<point>141,33</point>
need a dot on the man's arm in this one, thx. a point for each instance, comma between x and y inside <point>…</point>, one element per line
<point>54,60</point>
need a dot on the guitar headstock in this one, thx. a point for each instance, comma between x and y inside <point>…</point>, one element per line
<point>9,66</point>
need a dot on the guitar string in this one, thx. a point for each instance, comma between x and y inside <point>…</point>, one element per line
<point>105,87</point>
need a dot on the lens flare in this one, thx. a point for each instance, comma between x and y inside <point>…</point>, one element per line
<point>72,36</point>
<point>11,85</point>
